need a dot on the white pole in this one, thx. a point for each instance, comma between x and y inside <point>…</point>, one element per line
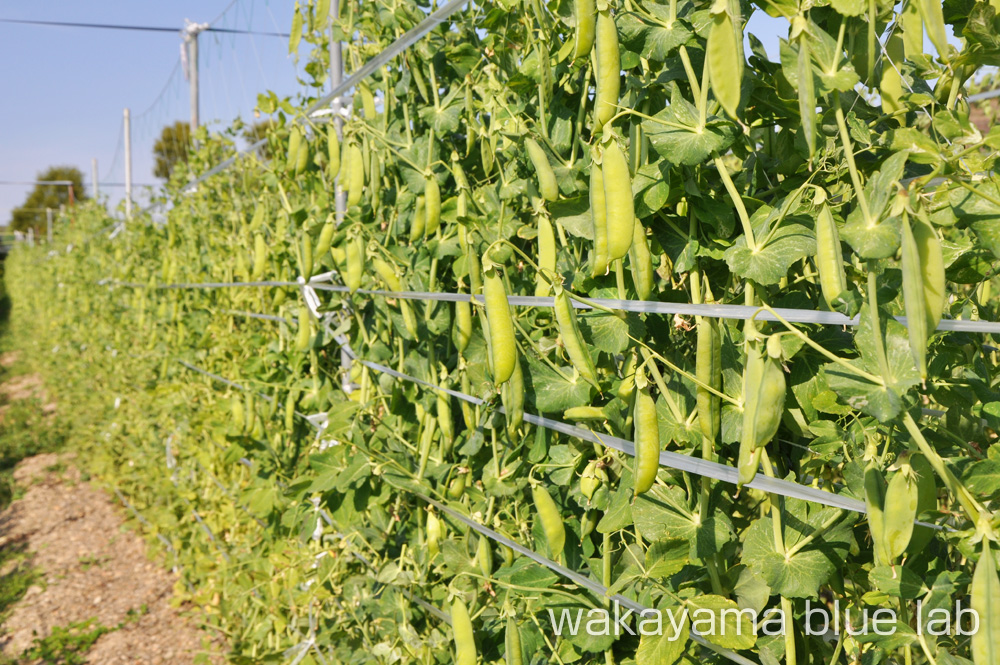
<point>128,165</point>
<point>93,176</point>
<point>192,41</point>
<point>48,221</point>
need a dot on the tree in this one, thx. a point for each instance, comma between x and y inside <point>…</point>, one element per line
<point>171,148</point>
<point>32,213</point>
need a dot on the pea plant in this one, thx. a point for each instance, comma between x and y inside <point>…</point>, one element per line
<point>621,310</point>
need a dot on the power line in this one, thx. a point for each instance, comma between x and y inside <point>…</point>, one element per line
<point>141,28</point>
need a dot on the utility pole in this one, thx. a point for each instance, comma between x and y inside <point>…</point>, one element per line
<point>93,176</point>
<point>336,76</point>
<point>128,165</point>
<point>48,221</point>
<point>190,33</point>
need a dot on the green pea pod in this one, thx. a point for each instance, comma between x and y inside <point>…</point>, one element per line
<point>985,591</point>
<point>932,261</point>
<point>388,275</point>
<point>367,101</point>
<point>708,369</point>
<point>585,12</point>
<point>725,63</point>
<point>927,500</point>
<point>585,413</point>
<point>546,257</point>
<point>512,395</point>
<point>259,257</point>
<point>513,655</point>
<point>307,257</point>
<point>332,151</point>
<point>763,404</point>
<point>618,201</point>
<point>588,523</point>
<point>417,225</point>
<point>829,257</point>
<point>237,412</point>
<point>932,13</point>
<point>463,325</point>
<point>900,510</point>
<point>569,331</point>
<point>591,480</point>
<point>468,414</point>
<point>552,523</point>
<point>433,535</point>
<point>647,442</point>
<point>913,31</point>
<point>445,423</point>
<point>913,297</point>
<point>355,262</point>
<point>641,263</point>
<point>875,507</point>
<point>607,56</point>
<point>290,411</point>
<point>748,463</point>
<point>484,557</point>
<point>599,216</point>
<point>356,174</point>
<point>456,488</point>
<point>627,386</point>
<point>891,83</point>
<point>547,186</point>
<point>503,346</point>
<point>304,334</point>
<point>302,157</point>
<point>807,94</point>
<point>409,320</point>
<point>258,218</point>
<point>432,206</point>
<point>325,240</point>
<point>294,144</point>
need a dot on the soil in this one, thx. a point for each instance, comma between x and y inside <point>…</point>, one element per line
<point>90,567</point>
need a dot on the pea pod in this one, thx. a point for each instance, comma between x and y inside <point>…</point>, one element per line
<point>307,257</point>
<point>891,83</point>
<point>433,535</point>
<point>829,257</point>
<point>417,224</point>
<point>547,186</point>
<point>569,331</point>
<point>432,206</point>
<point>238,413</point>
<point>302,157</point>
<point>641,263</point>
<point>355,262</point>
<point>922,264</point>
<point>367,101</point>
<point>290,411</point>
<point>457,486</point>
<point>463,325</point>
<point>932,13</point>
<point>388,275</point>
<point>599,216</point>
<point>627,386</point>
<point>591,479</point>
<point>985,591</point>
<point>259,257</point>
<point>304,334</point>
<point>512,395</point>
<point>468,415</point>
<point>900,510</point>
<point>356,175</point>
<point>546,257</point>
<point>484,557</point>
<point>513,655</point>
<point>325,240</point>
<point>875,507</point>
<point>445,423</point>
<point>763,405</point>
<point>927,500</point>
<point>585,413</point>
<point>552,523</point>
<point>332,151</point>
<point>913,31</point>
<point>588,523</point>
<point>647,442</point>
<point>725,60</point>
<point>294,145</point>
<point>503,346</point>
<point>807,93</point>
<point>618,201</point>
<point>585,12</point>
<point>608,67</point>
<point>708,370</point>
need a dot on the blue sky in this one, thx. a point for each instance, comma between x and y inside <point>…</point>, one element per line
<point>66,87</point>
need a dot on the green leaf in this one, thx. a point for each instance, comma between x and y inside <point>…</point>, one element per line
<point>729,627</point>
<point>897,581</point>
<point>769,263</point>
<point>610,333</point>
<point>674,134</point>
<point>666,557</point>
<point>666,646</point>
<point>552,392</point>
<point>983,478</point>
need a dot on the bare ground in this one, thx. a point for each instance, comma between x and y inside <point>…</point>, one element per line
<point>90,566</point>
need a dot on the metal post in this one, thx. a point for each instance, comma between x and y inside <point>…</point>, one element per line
<point>191,37</point>
<point>336,76</point>
<point>128,165</point>
<point>93,176</point>
<point>48,221</point>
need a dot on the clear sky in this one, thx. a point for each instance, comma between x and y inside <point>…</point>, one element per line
<point>65,88</point>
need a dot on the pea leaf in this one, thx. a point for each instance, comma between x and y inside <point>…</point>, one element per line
<point>674,134</point>
<point>897,581</point>
<point>609,333</point>
<point>769,263</point>
<point>552,392</point>
<point>666,646</point>
<point>729,628</point>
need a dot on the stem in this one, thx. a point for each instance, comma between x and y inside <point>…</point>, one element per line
<point>779,546</point>
<point>883,360</point>
<point>845,138</point>
<point>741,209</point>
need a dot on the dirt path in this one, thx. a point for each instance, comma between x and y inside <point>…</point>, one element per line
<point>90,567</point>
